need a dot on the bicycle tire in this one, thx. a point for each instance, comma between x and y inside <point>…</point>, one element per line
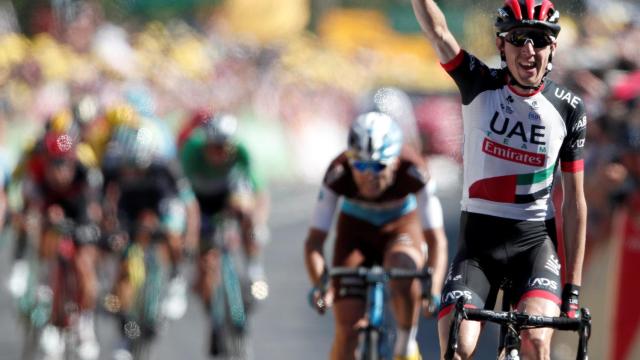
<point>229,337</point>
<point>146,317</point>
<point>373,344</point>
<point>31,341</point>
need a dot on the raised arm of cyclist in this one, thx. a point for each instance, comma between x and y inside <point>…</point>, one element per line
<point>434,26</point>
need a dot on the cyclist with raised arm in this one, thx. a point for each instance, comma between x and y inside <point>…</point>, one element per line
<point>519,127</point>
<point>389,211</point>
<point>57,188</point>
<point>220,169</point>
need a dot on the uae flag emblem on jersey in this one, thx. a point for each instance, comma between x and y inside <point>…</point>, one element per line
<point>513,189</point>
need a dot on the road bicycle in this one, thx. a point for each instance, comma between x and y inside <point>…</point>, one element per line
<point>232,300</point>
<point>374,339</point>
<point>146,273</point>
<point>50,307</point>
<point>513,322</point>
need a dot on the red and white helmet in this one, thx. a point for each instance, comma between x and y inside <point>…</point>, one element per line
<point>59,145</point>
<point>528,13</point>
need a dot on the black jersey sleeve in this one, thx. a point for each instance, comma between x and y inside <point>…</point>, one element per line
<point>571,153</point>
<point>573,112</point>
<point>472,76</point>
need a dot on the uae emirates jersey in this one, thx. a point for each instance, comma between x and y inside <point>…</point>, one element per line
<point>514,142</point>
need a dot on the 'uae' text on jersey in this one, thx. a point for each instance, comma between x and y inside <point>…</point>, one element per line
<point>513,142</point>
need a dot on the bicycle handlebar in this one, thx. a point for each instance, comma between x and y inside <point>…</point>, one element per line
<point>373,274</point>
<point>523,321</point>
<point>519,321</point>
<point>378,274</point>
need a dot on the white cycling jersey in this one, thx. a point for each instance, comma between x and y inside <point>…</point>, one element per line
<point>513,142</point>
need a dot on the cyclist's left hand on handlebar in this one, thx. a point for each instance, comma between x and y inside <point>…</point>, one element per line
<point>320,300</point>
<point>431,305</point>
<point>570,301</point>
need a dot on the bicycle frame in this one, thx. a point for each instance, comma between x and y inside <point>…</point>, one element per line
<point>148,276</point>
<point>515,322</point>
<point>228,310</point>
<point>373,338</point>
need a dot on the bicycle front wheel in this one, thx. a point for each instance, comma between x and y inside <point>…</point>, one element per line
<point>369,345</point>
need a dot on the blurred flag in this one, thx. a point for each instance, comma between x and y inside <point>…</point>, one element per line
<point>266,20</point>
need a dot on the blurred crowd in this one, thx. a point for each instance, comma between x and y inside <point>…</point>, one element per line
<point>298,93</point>
<point>598,62</point>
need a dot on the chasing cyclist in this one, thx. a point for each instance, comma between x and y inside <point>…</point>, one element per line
<point>146,198</point>
<point>389,211</point>
<point>519,127</point>
<point>220,170</point>
<point>58,187</point>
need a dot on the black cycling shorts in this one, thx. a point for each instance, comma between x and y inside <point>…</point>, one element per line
<point>495,252</point>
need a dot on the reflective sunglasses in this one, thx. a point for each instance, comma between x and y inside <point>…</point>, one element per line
<point>538,39</point>
<point>373,166</point>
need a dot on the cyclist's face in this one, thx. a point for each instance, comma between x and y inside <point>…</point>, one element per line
<point>216,154</point>
<point>372,182</point>
<point>60,172</point>
<point>527,61</point>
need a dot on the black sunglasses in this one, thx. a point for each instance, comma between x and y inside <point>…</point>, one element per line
<point>519,38</point>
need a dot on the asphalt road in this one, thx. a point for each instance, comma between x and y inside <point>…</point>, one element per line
<point>283,327</point>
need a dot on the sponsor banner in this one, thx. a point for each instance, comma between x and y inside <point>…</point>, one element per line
<point>501,151</point>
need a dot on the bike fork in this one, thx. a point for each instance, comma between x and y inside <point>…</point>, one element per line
<point>512,344</point>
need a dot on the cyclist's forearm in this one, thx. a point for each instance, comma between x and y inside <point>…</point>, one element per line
<point>193,224</point>
<point>434,26</point>
<point>263,203</point>
<point>314,255</point>
<point>574,234</point>
<point>437,260</point>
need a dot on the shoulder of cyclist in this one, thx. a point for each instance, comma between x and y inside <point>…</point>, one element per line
<point>415,166</point>
<point>338,174</point>
<point>24,161</point>
<point>190,152</point>
<point>247,163</point>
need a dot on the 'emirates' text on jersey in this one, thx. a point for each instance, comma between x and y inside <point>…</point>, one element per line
<point>513,142</point>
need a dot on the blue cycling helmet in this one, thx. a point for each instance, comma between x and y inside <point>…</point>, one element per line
<point>375,136</point>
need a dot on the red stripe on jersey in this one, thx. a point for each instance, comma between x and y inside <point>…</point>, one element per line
<point>572,166</point>
<point>499,189</point>
<point>454,63</point>
<point>540,294</point>
<point>524,94</point>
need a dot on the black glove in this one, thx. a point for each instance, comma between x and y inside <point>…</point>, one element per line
<point>570,295</point>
